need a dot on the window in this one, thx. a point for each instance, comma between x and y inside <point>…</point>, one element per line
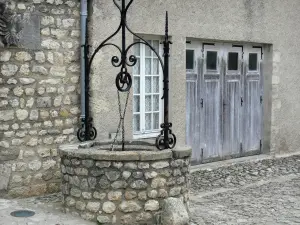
<point>189,59</point>
<point>253,61</point>
<point>233,58</point>
<point>147,79</point>
<point>211,62</point>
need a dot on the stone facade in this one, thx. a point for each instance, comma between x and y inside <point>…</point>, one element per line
<point>39,99</point>
<point>39,92</point>
<point>122,187</point>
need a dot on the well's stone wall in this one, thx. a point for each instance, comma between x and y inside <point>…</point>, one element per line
<point>38,97</point>
<point>122,187</point>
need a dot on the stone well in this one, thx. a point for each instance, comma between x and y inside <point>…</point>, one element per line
<point>122,187</point>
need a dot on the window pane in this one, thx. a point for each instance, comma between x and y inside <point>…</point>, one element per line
<point>155,66</point>
<point>136,104</point>
<point>137,67</point>
<point>155,121</point>
<point>148,103</point>
<point>148,66</point>
<point>252,61</point>
<point>137,49</point>
<point>156,47</point>
<point>211,60</point>
<point>233,59</point>
<point>148,50</point>
<point>136,123</point>
<point>148,84</point>
<point>136,85</point>
<point>155,84</point>
<point>148,121</point>
<point>189,59</point>
<point>155,102</point>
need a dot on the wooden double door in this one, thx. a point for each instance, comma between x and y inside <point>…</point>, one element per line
<point>223,100</point>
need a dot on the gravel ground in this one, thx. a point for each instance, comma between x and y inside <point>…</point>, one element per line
<point>270,202</point>
<point>265,192</point>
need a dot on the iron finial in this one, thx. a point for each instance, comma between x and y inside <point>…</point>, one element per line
<point>167,25</point>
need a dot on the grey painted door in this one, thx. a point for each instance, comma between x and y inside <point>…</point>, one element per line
<point>192,115</point>
<point>253,101</point>
<point>224,110</point>
<point>193,106</point>
<point>211,102</point>
<point>233,101</point>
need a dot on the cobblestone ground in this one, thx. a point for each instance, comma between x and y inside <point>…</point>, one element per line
<point>264,192</point>
<point>269,202</point>
<point>48,211</point>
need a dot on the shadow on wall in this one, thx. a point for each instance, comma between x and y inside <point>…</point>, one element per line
<point>19,30</point>
<point>11,26</point>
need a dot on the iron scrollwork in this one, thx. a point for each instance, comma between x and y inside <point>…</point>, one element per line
<point>123,79</point>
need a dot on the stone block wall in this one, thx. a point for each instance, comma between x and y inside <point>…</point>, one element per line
<point>39,99</point>
<point>122,187</point>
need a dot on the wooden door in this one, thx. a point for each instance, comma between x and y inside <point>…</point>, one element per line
<point>193,68</point>
<point>211,101</point>
<point>224,101</point>
<point>252,129</point>
<point>233,101</point>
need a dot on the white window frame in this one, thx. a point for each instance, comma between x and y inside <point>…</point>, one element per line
<point>151,133</point>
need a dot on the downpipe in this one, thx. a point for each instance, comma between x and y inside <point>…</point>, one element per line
<point>83,21</point>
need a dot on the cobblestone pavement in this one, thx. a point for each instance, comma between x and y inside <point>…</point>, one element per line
<point>273,199</point>
<point>48,212</point>
<point>269,202</point>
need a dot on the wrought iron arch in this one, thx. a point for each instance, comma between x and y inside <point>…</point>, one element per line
<point>123,81</point>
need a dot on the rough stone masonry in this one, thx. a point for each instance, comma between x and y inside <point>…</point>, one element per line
<point>39,98</point>
<point>131,187</point>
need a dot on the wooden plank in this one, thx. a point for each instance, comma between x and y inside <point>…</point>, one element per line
<point>192,136</point>
<point>252,117</point>
<point>232,107</point>
<point>212,121</point>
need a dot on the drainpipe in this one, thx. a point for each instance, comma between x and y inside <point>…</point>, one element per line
<point>83,21</point>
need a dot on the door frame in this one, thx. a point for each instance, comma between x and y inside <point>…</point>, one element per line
<point>223,48</point>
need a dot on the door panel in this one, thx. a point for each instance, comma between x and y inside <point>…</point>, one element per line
<point>212,121</point>
<point>232,110</point>
<point>211,93</point>
<point>193,71</point>
<point>192,118</point>
<point>252,116</point>
<point>232,102</point>
<point>253,106</point>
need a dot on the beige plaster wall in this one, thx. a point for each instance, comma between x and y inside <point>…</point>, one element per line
<point>273,22</point>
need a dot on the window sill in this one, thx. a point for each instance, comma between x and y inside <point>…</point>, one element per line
<point>146,135</point>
